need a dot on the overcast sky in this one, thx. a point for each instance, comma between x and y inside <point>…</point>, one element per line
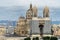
<point>50,3</point>
<point>12,12</point>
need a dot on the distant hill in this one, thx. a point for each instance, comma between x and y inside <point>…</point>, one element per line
<point>7,23</point>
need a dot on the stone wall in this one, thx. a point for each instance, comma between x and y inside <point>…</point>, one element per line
<point>12,38</point>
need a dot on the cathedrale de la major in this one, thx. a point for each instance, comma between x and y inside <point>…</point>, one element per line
<point>32,24</point>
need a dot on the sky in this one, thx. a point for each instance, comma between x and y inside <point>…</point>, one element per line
<point>13,9</point>
<point>51,3</point>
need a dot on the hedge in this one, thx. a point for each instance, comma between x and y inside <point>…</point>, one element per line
<point>50,38</point>
<point>28,38</point>
<point>36,38</point>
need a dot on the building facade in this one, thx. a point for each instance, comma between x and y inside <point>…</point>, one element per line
<point>39,23</point>
<point>2,30</point>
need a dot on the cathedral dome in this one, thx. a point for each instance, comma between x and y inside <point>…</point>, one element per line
<point>21,18</point>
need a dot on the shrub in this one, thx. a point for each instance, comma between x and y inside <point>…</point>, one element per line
<point>50,38</point>
<point>36,38</point>
<point>28,38</point>
<point>53,38</point>
<point>46,38</point>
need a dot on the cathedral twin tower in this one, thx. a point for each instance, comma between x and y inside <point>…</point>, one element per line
<point>23,24</point>
<point>32,12</point>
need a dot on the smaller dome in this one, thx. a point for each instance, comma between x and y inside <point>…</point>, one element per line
<point>21,17</point>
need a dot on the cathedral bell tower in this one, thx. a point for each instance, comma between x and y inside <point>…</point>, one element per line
<point>35,11</point>
<point>46,12</point>
<point>31,7</point>
<point>29,17</point>
<point>29,13</point>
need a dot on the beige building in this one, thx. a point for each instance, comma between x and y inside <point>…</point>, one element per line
<point>56,29</point>
<point>2,30</point>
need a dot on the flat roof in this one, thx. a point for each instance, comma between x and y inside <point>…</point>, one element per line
<point>36,18</point>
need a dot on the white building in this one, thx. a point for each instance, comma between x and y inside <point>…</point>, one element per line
<point>10,30</point>
<point>40,21</point>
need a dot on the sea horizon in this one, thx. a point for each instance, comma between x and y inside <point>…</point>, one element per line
<point>14,23</point>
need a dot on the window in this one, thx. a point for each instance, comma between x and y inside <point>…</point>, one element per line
<point>22,32</point>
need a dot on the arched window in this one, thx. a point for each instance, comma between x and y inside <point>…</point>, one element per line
<point>22,32</point>
<point>41,29</point>
<point>40,26</point>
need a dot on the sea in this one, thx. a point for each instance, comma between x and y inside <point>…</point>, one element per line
<point>14,23</point>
